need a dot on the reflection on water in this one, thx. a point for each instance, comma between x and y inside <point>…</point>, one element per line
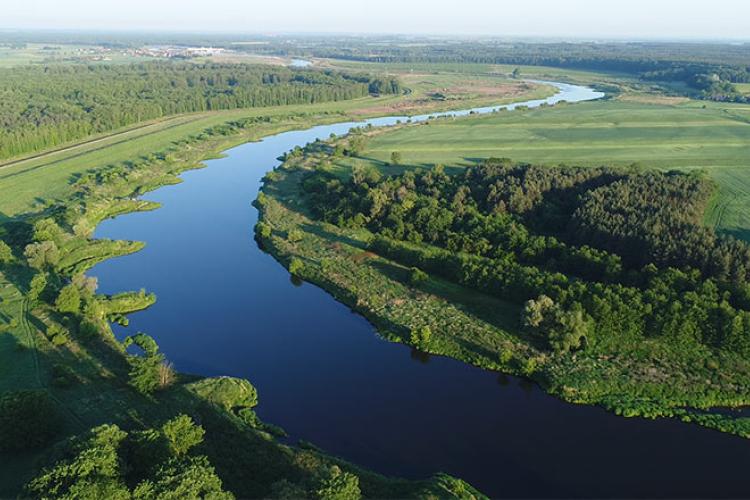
<point>227,308</point>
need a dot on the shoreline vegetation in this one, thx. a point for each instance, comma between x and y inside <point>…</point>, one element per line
<point>56,333</point>
<point>411,301</point>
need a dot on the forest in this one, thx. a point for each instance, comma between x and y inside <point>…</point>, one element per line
<point>601,258</point>
<point>709,69</point>
<point>41,107</point>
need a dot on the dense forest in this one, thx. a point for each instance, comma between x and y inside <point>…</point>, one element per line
<point>600,258</point>
<point>710,69</point>
<point>45,106</point>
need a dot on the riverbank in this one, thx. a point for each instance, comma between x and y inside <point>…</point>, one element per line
<point>81,194</point>
<point>468,325</point>
<point>401,412</point>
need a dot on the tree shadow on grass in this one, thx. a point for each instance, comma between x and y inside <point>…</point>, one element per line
<point>491,310</point>
<point>317,230</point>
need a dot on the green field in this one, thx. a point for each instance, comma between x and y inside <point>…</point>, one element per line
<point>743,87</point>
<point>715,137</point>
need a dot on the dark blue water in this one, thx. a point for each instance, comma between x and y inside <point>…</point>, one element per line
<point>226,308</point>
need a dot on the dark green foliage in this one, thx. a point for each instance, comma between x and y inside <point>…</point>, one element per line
<point>395,158</point>
<point>37,286</point>
<point>28,420</point>
<point>108,460</point>
<point>145,373</point>
<point>420,337</point>
<point>6,254</point>
<point>417,276</point>
<point>263,230</point>
<point>226,392</point>
<point>605,257</point>
<point>338,485</point>
<point>42,255</point>
<point>182,434</point>
<point>46,106</point>
<point>69,300</point>
<point>150,371</point>
<point>709,69</point>
<point>296,266</point>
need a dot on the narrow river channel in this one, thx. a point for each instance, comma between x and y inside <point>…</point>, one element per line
<point>226,308</point>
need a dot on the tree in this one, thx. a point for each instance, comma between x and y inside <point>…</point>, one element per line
<point>6,254</point>
<point>42,255</point>
<point>182,434</point>
<point>395,158</point>
<point>338,485</point>
<point>69,300</point>
<point>294,235</point>
<point>296,266</point>
<point>28,420</point>
<point>263,230</point>
<point>516,73</point>
<point>108,456</point>
<point>37,286</point>
<point>420,337</point>
<point>192,477</point>
<point>93,473</point>
<point>417,276</point>
<point>47,230</point>
<point>144,373</point>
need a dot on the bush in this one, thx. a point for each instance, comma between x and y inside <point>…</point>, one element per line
<point>263,230</point>
<point>296,266</point>
<point>69,300</point>
<point>417,276</point>
<point>395,158</point>
<point>338,485</point>
<point>37,286</point>
<point>28,420</point>
<point>6,255</point>
<point>182,434</point>
<point>227,392</point>
<point>295,235</point>
<point>420,337</point>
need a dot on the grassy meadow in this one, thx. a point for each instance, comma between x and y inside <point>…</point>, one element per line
<point>685,135</point>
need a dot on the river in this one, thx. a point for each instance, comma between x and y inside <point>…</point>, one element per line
<point>227,308</point>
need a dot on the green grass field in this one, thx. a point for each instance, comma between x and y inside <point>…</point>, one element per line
<point>743,87</point>
<point>619,133</point>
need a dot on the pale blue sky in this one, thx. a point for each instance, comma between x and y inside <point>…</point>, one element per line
<point>570,18</point>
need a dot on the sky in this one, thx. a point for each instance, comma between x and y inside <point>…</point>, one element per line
<point>714,19</point>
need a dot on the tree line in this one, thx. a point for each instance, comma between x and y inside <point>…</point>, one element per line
<point>601,258</point>
<point>45,106</point>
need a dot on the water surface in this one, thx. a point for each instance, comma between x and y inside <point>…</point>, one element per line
<point>226,308</point>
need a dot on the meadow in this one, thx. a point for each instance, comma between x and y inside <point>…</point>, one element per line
<point>686,135</point>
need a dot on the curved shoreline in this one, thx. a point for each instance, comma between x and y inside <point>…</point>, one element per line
<point>324,377</point>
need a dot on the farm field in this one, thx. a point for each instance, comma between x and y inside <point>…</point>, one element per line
<point>715,137</point>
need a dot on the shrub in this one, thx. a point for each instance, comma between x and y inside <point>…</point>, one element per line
<point>145,373</point>
<point>295,235</point>
<point>417,276</point>
<point>28,420</point>
<point>37,286</point>
<point>395,158</point>
<point>296,266</point>
<point>63,375</point>
<point>227,392</point>
<point>6,255</point>
<point>263,230</point>
<point>69,300</point>
<point>420,337</point>
<point>42,255</point>
<point>57,335</point>
<point>338,485</point>
<point>182,434</point>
